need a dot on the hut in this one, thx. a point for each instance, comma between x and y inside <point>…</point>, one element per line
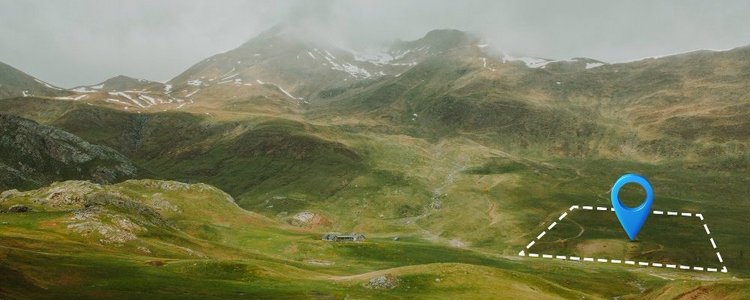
<point>347,237</point>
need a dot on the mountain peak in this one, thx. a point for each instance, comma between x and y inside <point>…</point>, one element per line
<point>447,33</point>
<point>290,35</point>
<point>123,79</point>
<point>124,83</point>
<point>439,40</point>
<point>271,33</point>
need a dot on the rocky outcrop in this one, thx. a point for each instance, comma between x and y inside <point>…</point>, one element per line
<point>385,281</point>
<point>129,214</point>
<point>101,212</point>
<point>32,155</point>
<point>308,219</point>
<point>18,208</point>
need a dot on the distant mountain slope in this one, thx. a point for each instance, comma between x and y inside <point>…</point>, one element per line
<point>15,83</point>
<point>433,43</point>
<point>133,94</point>
<point>32,155</point>
<point>281,72</point>
<point>126,93</point>
<point>692,105</point>
<point>122,83</point>
<point>301,69</point>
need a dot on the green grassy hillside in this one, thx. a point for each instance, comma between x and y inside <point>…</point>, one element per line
<point>450,163</point>
<point>253,159</point>
<point>162,239</point>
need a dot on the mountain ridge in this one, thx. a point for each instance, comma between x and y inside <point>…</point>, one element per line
<point>16,83</point>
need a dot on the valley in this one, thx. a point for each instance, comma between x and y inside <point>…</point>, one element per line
<point>449,156</point>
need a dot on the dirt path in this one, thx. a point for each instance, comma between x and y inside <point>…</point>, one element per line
<point>579,233</point>
<point>562,240</point>
<point>367,275</point>
<point>661,247</point>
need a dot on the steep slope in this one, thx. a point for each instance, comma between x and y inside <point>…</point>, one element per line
<point>15,83</point>
<point>693,105</point>
<point>466,90</point>
<point>34,155</point>
<point>296,67</point>
<point>302,69</point>
<point>690,106</point>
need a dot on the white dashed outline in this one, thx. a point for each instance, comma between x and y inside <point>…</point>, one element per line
<point>627,262</point>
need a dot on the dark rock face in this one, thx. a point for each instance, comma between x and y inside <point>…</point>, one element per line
<point>18,208</point>
<point>32,155</point>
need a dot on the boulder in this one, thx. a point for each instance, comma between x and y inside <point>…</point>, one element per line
<point>385,281</point>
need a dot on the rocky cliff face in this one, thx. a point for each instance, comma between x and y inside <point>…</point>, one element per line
<point>32,155</point>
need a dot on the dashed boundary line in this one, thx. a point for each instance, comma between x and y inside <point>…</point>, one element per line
<point>627,262</point>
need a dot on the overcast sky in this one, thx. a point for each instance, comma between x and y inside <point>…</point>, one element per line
<point>71,43</point>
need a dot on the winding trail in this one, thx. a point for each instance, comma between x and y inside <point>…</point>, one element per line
<point>562,240</point>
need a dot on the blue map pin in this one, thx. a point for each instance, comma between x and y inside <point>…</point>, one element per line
<point>632,218</point>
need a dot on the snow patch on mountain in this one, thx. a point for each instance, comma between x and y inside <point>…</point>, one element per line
<point>229,77</point>
<point>286,93</point>
<point>192,93</point>
<point>147,98</point>
<point>117,101</point>
<point>48,85</point>
<point>531,62</point>
<point>79,97</point>
<point>373,57</point>
<point>126,96</point>
<point>89,89</point>
<point>352,70</point>
<point>484,64</point>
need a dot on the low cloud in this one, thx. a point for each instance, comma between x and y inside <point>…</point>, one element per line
<point>82,42</point>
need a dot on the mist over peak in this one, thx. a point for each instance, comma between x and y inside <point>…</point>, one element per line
<point>157,40</point>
